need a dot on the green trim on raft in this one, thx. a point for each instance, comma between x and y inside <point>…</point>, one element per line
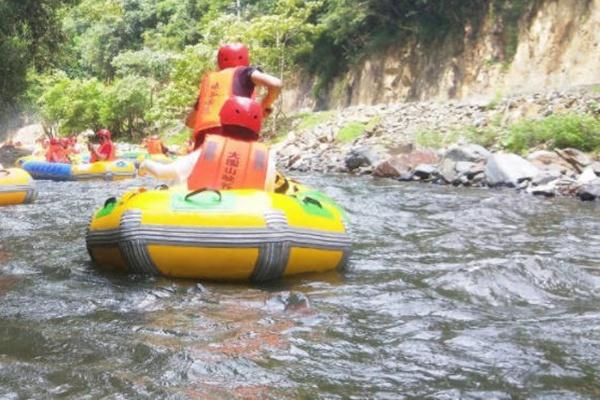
<point>326,201</point>
<point>107,209</point>
<point>312,208</point>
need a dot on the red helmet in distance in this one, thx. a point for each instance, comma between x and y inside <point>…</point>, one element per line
<point>103,133</point>
<point>233,55</point>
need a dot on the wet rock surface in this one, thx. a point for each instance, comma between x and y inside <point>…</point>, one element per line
<point>388,145</point>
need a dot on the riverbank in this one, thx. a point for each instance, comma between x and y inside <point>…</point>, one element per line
<point>543,143</point>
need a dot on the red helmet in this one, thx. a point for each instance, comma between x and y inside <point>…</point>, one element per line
<point>103,133</point>
<point>242,112</point>
<point>54,141</point>
<point>233,55</point>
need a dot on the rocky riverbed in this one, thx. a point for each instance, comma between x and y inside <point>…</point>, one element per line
<point>387,141</point>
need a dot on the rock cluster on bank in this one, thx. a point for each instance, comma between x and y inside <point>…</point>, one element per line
<point>387,148</point>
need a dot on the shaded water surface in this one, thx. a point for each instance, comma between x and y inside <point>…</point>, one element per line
<point>450,294</point>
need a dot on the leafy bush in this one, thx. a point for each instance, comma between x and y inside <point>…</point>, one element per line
<point>557,131</point>
<point>435,139</point>
<point>311,120</point>
<point>350,131</point>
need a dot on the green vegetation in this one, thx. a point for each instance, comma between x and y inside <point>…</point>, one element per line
<point>180,138</point>
<point>495,102</point>
<point>557,131</point>
<point>373,123</point>
<point>311,120</point>
<point>133,66</point>
<point>350,131</point>
<point>435,139</point>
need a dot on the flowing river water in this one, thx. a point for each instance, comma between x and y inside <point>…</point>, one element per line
<point>450,294</point>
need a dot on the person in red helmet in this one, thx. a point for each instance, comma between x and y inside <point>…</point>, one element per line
<point>106,151</point>
<point>235,77</point>
<point>231,159</point>
<point>56,152</point>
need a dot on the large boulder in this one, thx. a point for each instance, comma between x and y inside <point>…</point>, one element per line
<point>503,169</point>
<point>364,156</point>
<point>461,163</point>
<point>403,165</point>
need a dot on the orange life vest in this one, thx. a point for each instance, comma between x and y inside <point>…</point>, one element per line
<point>216,87</point>
<point>226,163</point>
<point>154,146</point>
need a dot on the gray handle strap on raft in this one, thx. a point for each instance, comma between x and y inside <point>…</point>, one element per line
<point>195,192</point>
<point>162,187</point>
<point>309,200</point>
<point>5,172</point>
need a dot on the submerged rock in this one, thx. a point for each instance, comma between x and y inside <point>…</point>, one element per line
<point>503,169</point>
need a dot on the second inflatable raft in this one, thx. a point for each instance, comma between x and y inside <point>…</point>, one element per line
<point>16,187</point>
<point>107,170</point>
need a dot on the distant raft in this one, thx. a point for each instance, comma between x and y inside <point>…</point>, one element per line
<point>107,170</point>
<point>16,187</point>
<point>230,235</point>
<point>143,155</point>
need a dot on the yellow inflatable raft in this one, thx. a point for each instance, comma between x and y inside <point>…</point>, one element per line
<point>16,187</point>
<point>232,235</point>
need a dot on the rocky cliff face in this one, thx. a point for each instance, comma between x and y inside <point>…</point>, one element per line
<point>558,47</point>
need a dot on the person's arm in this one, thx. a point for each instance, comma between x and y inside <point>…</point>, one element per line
<point>178,170</point>
<point>93,152</point>
<point>273,86</point>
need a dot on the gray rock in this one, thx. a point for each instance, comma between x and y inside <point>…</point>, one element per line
<point>447,170</point>
<point>546,190</point>
<point>363,156</point>
<point>551,161</point>
<point>467,152</point>
<point>588,175</point>
<point>578,159</point>
<point>545,177</point>
<point>508,170</point>
<point>589,191</point>
<point>463,167</point>
<point>425,171</point>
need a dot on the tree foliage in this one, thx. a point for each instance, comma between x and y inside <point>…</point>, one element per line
<point>143,59</point>
<point>29,37</point>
